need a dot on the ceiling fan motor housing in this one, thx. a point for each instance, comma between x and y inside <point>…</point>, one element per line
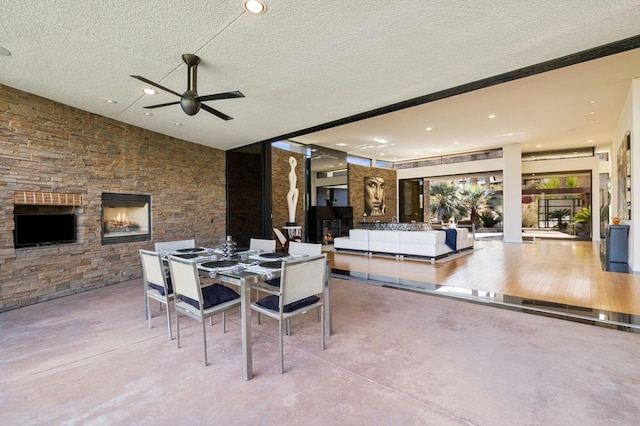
<point>190,105</point>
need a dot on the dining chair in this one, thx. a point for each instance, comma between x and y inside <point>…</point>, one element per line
<point>166,246</point>
<point>299,249</point>
<point>196,302</point>
<point>301,290</point>
<point>157,286</point>
<point>305,249</point>
<point>261,244</point>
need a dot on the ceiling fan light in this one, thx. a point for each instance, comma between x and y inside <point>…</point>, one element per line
<point>149,91</point>
<point>255,6</point>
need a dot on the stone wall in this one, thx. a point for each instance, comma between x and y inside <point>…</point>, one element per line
<point>357,174</point>
<point>280,169</point>
<point>49,147</point>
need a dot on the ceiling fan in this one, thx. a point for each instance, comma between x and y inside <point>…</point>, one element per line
<point>189,100</point>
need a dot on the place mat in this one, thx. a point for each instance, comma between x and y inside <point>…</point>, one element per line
<point>219,264</point>
<point>271,265</point>
<point>274,255</point>
<point>191,250</point>
<point>187,255</point>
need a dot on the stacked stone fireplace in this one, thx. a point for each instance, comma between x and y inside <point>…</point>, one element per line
<point>125,218</point>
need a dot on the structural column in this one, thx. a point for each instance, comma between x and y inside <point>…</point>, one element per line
<point>512,193</point>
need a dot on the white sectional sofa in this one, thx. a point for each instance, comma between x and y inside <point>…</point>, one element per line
<point>431,244</point>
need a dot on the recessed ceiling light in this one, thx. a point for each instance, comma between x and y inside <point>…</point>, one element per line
<point>538,146</point>
<point>341,144</point>
<point>592,102</point>
<point>254,6</point>
<point>590,141</point>
<point>382,154</point>
<point>4,52</point>
<point>428,129</point>
<point>148,91</point>
<point>456,142</point>
<point>492,116</point>
<point>592,113</point>
<point>179,124</point>
<point>380,140</point>
<point>148,114</point>
<point>110,101</point>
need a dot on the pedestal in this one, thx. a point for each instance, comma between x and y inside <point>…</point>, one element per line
<point>293,231</point>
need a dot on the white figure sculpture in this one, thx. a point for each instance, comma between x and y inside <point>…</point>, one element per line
<point>292,195</point>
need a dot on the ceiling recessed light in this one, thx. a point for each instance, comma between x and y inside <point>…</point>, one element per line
<point>456,142</point>
<point>179,124</point>
<point>380,140</point>
<point>148,114</point>
<point>382,153</point>
<point>341,144</point>
<point>110,101</point>
<point>254,6</point>
<point>428,129</point>
<point>592,113</point>
<point>538,146</point>
<point>592,102</point>
<point>4,52</point>
<point>492,116</point>
<point>590,141</point>
<point>149,91</point>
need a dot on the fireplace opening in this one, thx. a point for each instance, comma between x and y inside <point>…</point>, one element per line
<point>125,218</point>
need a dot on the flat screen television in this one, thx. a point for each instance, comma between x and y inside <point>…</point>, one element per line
<point>33,230</point>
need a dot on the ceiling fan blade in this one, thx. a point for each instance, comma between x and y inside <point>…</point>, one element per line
<point>155,85</point>
<point>162,105</point>
<point>225,95</point>
<point>215,112</point>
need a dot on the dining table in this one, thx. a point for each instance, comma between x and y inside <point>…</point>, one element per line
<point>244,270</point>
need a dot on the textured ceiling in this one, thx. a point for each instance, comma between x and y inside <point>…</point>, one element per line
<point>306,63</point>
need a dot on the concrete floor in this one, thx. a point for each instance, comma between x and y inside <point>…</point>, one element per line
<point>395,358</point>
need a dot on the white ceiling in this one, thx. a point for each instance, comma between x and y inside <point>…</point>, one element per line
<point>306,63</point>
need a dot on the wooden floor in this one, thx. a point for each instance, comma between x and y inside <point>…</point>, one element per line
<point>564,272</point>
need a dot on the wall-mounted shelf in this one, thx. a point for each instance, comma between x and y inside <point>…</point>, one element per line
<point>46,199</point>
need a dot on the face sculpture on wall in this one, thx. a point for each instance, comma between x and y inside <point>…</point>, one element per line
<point>374,200</point>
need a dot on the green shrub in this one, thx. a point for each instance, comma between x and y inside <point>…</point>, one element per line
<point>488,219</point>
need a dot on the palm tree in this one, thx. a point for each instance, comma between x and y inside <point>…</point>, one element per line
<point>559,215</point>
<point>444,202</point>
<point>476,199</point>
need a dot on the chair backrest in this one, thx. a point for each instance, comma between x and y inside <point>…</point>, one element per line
<point>152,269</point>
<point>259,244</point>
<point>175,245</point>
<point>308,249</point>
<point>302,278</point>
<point>280,236</point>
<point>185,278</point>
